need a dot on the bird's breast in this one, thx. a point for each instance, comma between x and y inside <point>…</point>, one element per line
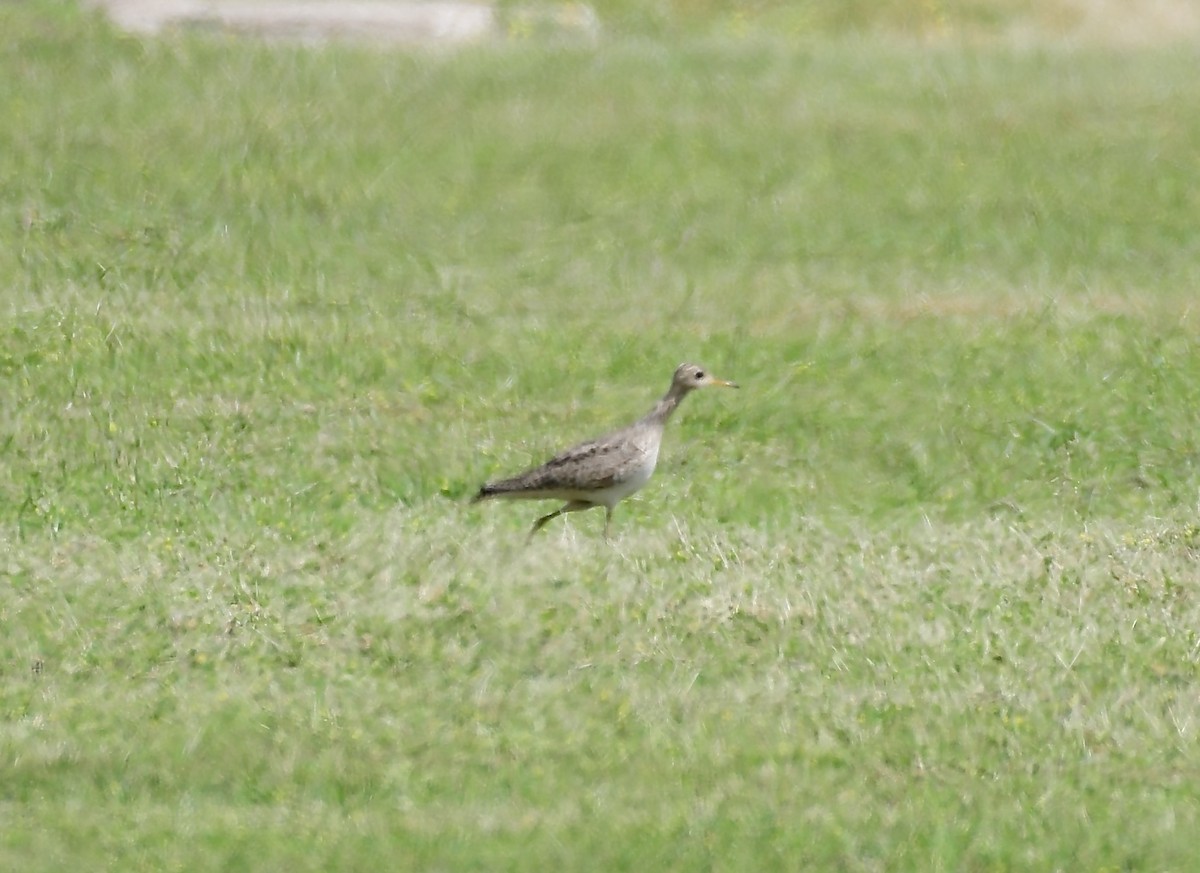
<point>641,466</point>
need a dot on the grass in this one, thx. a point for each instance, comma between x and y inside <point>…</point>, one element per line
<point>920,596</point>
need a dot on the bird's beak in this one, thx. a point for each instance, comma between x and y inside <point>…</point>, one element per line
<point>725,383</point>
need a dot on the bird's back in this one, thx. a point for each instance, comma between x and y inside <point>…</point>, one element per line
<point>604,463</point>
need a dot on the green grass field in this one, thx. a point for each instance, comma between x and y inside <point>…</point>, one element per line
<point>923,595</point>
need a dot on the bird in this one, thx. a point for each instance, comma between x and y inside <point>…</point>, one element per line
<point>606,470</point>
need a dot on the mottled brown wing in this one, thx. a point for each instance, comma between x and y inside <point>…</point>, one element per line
<point>590,466</point>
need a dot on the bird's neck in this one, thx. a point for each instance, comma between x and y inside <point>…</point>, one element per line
<point>663,409</point>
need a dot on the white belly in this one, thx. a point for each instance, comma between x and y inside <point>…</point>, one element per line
<point>637,476</point>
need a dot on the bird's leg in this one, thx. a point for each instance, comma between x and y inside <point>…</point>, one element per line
<point>570,506</point>
<point>607,523</point>
<point>537,525</point>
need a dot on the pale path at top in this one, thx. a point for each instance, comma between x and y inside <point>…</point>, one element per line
<point>404,22</point>
<point>444,21</point>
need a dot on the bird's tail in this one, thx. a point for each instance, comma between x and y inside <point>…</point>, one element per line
<point>499,488</point>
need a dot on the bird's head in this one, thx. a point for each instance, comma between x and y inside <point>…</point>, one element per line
<point>690,376</point>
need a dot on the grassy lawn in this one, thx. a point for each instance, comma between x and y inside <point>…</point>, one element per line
<point>923,595</point>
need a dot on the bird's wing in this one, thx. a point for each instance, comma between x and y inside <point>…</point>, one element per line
<point>589,466</point>
<point>594,464</point>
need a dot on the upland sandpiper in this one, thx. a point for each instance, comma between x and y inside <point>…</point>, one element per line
<point>606,470</point>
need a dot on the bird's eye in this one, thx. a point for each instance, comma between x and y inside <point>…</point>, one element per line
<point>699,374</point>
